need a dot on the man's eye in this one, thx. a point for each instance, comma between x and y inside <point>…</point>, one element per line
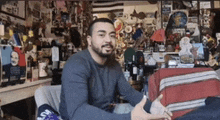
<point>113,36</point>
<point>102,35</point>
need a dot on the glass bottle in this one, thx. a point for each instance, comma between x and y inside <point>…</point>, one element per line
<point>134,69</point>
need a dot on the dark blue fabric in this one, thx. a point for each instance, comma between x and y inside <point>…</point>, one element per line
<point>46,112</point>
<point>137,34</point>
<point>211,111</point>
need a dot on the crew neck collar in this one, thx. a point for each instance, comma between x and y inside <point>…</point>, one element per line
<point>90,57</point>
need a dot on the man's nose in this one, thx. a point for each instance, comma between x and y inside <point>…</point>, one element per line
<point>108,38</point>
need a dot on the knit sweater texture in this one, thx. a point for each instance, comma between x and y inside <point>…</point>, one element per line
<point>88,88</point>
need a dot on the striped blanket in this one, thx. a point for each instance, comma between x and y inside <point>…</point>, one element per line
<point>184,89</point>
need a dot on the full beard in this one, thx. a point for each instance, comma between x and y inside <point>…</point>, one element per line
<point>100,53</point>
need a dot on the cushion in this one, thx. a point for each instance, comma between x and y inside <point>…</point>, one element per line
<point>183,89</point>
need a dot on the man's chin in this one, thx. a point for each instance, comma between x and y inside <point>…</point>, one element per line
<point>105,54</point>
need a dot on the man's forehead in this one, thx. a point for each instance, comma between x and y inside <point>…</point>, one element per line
<point>103,25</point>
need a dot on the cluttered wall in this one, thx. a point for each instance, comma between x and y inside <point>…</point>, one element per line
<point>48,32</point>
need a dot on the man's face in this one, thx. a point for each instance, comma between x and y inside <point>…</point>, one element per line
<point>14,58</point>
<point>103,39</point>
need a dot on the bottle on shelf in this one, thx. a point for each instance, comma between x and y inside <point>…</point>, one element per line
<point>29,68</point>
<point>43,66</point>
<point>2,34</point>
<point>35,73</point>
<point>140,72</point>
<point>130,67</point>
<point>55,55</point>
<point>134,69</point>
<point>70,49</point>
<point>63,50</point>
<point>126,72</point>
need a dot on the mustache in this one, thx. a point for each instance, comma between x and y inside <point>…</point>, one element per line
<point>105,45</point>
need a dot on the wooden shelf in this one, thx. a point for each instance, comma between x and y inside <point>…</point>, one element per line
<point>18,92</point>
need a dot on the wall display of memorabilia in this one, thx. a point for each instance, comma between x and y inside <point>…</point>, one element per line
<point>9,21</point>
<point>177,21</point>
<point>135,22</point>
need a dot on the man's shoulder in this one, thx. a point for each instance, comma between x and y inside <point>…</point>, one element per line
<point>81,55</point>
<point>79,58</point>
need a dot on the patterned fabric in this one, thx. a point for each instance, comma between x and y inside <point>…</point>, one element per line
<point>211,111</point>
<point>184,89</point>
<point>107,7</point>
<point>46,112</point>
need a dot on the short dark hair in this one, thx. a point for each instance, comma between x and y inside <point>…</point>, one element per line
<point>90,28</point>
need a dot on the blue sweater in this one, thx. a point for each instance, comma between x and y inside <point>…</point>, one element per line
<point>88,88</point>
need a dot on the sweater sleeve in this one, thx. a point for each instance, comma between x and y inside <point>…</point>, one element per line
<point>75,90</point>
<point>129,93</point>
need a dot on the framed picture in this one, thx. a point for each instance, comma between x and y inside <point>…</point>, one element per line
<point>166,9</point>
<point>205,5</point>
<point>14,8</point>
<point>198,51</point>
<point>13,65</point>
<point>192,19</point>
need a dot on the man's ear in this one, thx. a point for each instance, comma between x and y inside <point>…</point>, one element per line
<point>89,40</point>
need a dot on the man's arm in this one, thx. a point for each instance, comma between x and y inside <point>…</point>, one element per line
<point>134,97</point>
<point>74,85</point>
<point>130,94</point>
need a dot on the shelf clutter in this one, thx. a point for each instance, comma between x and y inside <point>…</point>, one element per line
<point>164,33</point>
<point>38,37</point>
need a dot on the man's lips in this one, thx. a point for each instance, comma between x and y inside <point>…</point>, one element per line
<point>107,46</point>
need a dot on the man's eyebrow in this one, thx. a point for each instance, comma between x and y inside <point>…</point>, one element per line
<point>102,31</point>
<point>113,32</point>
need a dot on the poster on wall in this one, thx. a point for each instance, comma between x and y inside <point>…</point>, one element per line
<point>13,65</point>
<point>15,8</point>
<point>205,5</point>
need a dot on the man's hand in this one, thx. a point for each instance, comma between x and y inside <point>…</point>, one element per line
<point>158,108</point>
<point>138,113</point>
